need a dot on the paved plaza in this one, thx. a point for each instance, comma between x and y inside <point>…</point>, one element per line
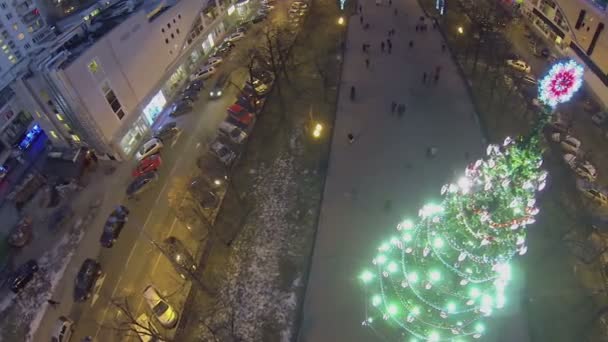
<point>385,173</point>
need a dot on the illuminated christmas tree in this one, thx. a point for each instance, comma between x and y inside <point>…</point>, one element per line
<point>439,277</point>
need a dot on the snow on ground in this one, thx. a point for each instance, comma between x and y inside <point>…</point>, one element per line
<point>21,314</point>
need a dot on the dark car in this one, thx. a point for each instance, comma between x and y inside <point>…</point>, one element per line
<point>180,107</point>
<point>237,123</point>
<point>141,184</point>
<point>23,275</point>
<point>194,86</point>
<point>166,131</point>
<point>223,49</point>
<point>113,226</point>
<point>179,256</point>
<point>203,194</point>
<point>86,279</point>
<point>217,90</point>
<point>259,18</point>
<point>189,96</point>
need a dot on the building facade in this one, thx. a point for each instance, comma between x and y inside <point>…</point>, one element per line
<point>110,79</point>
<point>578,29</point>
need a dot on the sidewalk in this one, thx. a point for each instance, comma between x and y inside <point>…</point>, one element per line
<point>386,164</point>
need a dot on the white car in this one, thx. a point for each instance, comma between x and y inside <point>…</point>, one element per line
<point>222,152</point>
<point>150,147</point>
<point>567,142</point>
<point>235,36</point>
<point>234,133</point>
<point>214,61</point>
<point>584,169</point>
<point>164,313</point>
<point>63,330</point>
<point>519,65</point>
<point>204,73</point>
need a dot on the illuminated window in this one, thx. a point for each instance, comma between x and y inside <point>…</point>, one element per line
<point>93,67</point>
<point>38,113</point>
<point>67,127</point>
<point>59,117</point>
<point>54,135</point>
<point>75,138</point>
<point>21,36</point>
<point>15,27</point>
<point>30,29</point>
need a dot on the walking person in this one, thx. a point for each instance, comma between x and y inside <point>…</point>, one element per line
<point>382,46</point>
<point>367,63</point>
<point>393,107</point>
<point>424,77</point>
<point>53,303</point>
<point>411,43</point>
<point>389,43</point>
<point>442,47</point>
<point>361,19</point>
<point>390,2</point>
<point>438,69</point>
<point>352,93</point>
<point>351,138</point>
<point>402,111</point>
<point>417,26</point>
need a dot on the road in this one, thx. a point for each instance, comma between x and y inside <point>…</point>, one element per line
<point>134,262</point>
<point>384,174</point>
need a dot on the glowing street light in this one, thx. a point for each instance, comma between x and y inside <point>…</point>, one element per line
<point>460,30</point>
<point>341,21</point>
<point>316,133</point>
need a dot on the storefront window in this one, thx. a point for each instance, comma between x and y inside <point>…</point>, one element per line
<point>155,107</point>
<point>133,137</point>
<point>208,44</point>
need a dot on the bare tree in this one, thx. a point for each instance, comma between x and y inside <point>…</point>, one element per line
<point>128,323</point>
<point>187,209</point>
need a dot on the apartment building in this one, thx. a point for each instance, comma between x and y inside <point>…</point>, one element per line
<point>578,29</point>
<point>110,78</point>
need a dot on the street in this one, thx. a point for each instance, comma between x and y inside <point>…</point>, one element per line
<point>134,261</point>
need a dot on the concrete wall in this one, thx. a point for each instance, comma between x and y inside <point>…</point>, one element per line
<point>132,58</point>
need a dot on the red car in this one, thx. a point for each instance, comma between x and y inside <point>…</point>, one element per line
<point>240,113</point>
<point>148,164</point>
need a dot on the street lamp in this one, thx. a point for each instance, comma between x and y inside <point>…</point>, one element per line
<point>460,30</point>
<point>341,21</point>
<point>316,133</point>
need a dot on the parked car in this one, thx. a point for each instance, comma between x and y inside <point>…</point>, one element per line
<point>260,87</point>
<point>188,96</point>
<point>148,164</point>
<point>240,113</point>
<point>63,330</point>
<point>150,147</point>
<point>519,65</point>
<point>592,192</point>
<point>222,152</point>
<point>583,169</point>
<point>167,131</point>
<point>162,310</point>
<point>180,257</point>
<point>217,90</point>
<point>242,28</point>
<point>223,49</point>
<point>23,275</point>
<point>599,118</point>
<point>567,142</point>
<point>141,184</point>
<point>203,193</point>
<point>21,234</point>
<point>259,18</point>
<point>243,126</point>
<point>204,73</point>
<point>235,36</point>
<point>235,134</point>
<point>214,61</point>
<point>87,276</point>
<point>529,80</point>
<point>196,85</point>
<point>113,226</point>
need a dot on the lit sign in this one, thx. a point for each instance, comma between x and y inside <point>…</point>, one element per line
<point>30,136</point>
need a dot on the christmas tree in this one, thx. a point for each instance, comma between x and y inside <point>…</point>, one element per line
<point>440,276</point>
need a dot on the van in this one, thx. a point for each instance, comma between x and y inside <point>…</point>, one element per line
<point>234,133</point>
<point>217,90</point>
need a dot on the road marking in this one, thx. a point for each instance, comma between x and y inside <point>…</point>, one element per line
<point>97,288</point>
<point>179,134</point>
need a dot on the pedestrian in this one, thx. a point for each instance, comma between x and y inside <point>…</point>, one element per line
<point>442,47</point>
<point>352,93</point>
<point>361,19</point>
<point>393,107</point>
<point>350,137</point>
<point>360,9</point>
<point>367,63</point>
<point>422,18</point>
<point>54,303</point>
<point>389,43</point>
<point>424,77</point>
<point>390,2</point>
<point>417,26</point>
<point>411,43</point>
<point>402,111</point>
<point>395,11</point>
<point>366,26</point>
<point>382,46</point>
<point>390,49</point>
<point>438,69</point>
<point>436,78</point>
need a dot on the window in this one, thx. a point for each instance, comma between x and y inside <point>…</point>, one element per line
<point>177,31</point>
<point>174,20</point>
<point>30,29</point>
<point>3,5</point>
<point>59,117</point>
<point>179,16</point>
<point>172,36</point>
<point>15,27</point>
<point>54,135</point>
<point>112,100</point>
<point>162,30</point>
<point>21,36</point>
<point>168,25</point>
<point>166,41</point>
<point>67,127</point>
<point>75,138</point>
<point>27,46</point>
<point>9,16</point>
<point>93,66</point>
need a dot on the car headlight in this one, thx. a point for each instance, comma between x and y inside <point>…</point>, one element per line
<point>210,93</point>
<point>219,93</point>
